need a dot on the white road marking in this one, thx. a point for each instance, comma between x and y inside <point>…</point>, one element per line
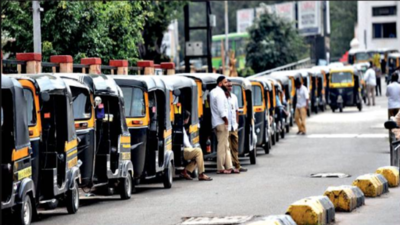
<point>342,136</point>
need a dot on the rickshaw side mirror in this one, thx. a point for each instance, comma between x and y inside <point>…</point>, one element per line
<point>45,96</point>
<point>390,124</point>
<point>177,92</point>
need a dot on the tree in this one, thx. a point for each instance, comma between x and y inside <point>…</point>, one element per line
<point>343,18</point>
<point>273,42</point>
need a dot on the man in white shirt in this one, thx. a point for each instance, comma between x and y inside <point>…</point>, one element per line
<point>370,80</point>
<point>193,154</point>
<point>301,106</point>
<point>393,94</point>
<point>219,119</point>
<point>233,119</point>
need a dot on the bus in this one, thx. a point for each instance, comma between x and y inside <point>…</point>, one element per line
<point>237,43</point>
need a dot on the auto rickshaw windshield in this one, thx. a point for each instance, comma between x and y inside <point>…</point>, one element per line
<point>237,90</point>
<point>342,77</point>
<point>362,56</point>
<point>135,106</point>
<point>81,103</point>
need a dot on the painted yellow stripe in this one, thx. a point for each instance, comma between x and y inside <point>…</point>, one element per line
<point>72,153</point>
<point>125,139</point>
<point>193,128</point>
<point>196,140</point>
<point>24,173</point>
<point>167,133</point>
<point>19,154</point>
<point>73,162</point>
<point>70,145</point>
<point>126,146</point>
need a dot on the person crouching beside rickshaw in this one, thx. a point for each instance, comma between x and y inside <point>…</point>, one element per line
<point>195,155</point>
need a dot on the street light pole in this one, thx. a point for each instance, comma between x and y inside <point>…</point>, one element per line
<point>226,35</point>
<point>37,36</point>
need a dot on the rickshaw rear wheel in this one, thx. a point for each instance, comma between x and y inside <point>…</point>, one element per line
<point>72,200</point>
<point>125,187</point>
<point>273,141</point>
<point>283,134</point>
<point>168,176</point>
<point>277,136</point>
<point>287,128</point>
<point>266,147</point>
<point>253,156</point>
<point>23,212</point>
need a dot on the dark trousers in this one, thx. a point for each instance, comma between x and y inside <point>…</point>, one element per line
<point>378,88</point>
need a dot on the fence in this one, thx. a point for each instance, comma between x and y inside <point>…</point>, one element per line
<point>304,63</point>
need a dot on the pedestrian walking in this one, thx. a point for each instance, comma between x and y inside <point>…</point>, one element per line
<point>370,80</point>
<point>301,106</point>
<point>233,119</point>
<point>195,155</point>
<point>378,74</point>
<point>393,94</point>
<point>219,119</point>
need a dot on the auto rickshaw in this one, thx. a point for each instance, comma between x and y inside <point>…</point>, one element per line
<point>280,120</point>
<point>147,112</point>
<point>184,95</point>
<point>261,113</point>
<point>345,88</point>
<point>306,75</point>
<point>18,189</point>
<point>205,83</point>
<point>288,92</point>
<point>55,169</point>
<point>393,64</point>
<point>357,56</point>
<point>322,75</point>
<point>243,90</point>
<point>104,146</point>
<point>318,92</point>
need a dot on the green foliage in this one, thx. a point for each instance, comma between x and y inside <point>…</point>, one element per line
<point>109,30</point>
<point>343,18</point>
<point>273,42</point>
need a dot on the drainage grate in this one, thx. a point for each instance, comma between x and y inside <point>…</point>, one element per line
<point>330,175</point>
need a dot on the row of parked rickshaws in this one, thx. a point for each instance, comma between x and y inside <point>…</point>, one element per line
<point>105,134</point>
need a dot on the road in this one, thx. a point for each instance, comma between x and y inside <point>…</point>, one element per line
<point>351,142</point>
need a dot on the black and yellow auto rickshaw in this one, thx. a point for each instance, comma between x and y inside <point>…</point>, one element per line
<point>358,56</point>
<point>323,87</point>
<point>345,88</point>
<point>362,69</point>
<point>288,93</point>
<point>205,83</point>
<point>393,64</point>
<point>279,118</point>
<point>242,88</point>
<point>184,96</point>
<point>18,189</point>
<point>147,112</point>
<point>104,146</point>
<point>55,169</point>
<point>261,104</point>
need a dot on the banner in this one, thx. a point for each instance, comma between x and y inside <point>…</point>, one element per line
<point>244,19</point>
<point>309,17</point>
<point>286,11</point>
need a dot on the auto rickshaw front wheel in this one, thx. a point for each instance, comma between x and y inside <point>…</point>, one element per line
<point>167,177</point>
<point>253,156</point>
<point>272,139</point>
<point>72,200</point>
<point>125,187</point>
<point>24,211</point>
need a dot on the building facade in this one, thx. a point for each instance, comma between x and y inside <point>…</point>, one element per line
<point>378,24</point>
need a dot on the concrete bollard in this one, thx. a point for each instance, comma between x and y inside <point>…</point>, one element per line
<point>147,65</point>
<point>33,62</point>
<point>94,65</point>
<point>169,67</point>
<point>65,62</point>
<point>391,173</point>
<point>122,66</point>
<point>371,185</point>
<point>342,198</point>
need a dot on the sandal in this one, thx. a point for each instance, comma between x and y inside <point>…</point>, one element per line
<point>205,178</point>
<point>235,171</point>
<point>224,172</point>
<point>186,176</point>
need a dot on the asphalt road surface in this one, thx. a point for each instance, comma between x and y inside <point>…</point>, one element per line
<point>351,142</point>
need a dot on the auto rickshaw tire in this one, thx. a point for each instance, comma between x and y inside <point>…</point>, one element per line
<point>253,156</point>
<point>51,205</point>
<point>24,211</point>
<point>195,173</point>
<point>273,141</point>
<point>277,137</point>
<point>333,110</point>
<point>266,148</point>
<point>340,108</point>
<point>125,187</point>
<point>167,177</point>
<point>287,128</point>
<point>72,200</point>
<point>283,133</point>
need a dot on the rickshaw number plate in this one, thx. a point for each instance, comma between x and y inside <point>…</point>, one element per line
<point>216,220</point>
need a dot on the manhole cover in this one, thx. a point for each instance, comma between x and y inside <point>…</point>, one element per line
<point>330,175</point>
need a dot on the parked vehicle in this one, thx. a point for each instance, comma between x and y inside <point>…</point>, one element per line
<point>55,169</point>
<point>345,88</point>
<point>147,112</point>
<point>357,56</point>
<point>393,65</point>
<point>104,146</point>
<point>18,189</point>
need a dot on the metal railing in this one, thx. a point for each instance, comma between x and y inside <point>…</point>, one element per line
<point>304,63</point>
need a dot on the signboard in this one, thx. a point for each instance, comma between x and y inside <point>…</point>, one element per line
<point>309,17</point>
<point>244,19</point>
<point>286,11</point>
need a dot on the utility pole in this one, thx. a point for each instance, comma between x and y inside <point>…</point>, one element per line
<point>37,36</point>
<point>226,36</point>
